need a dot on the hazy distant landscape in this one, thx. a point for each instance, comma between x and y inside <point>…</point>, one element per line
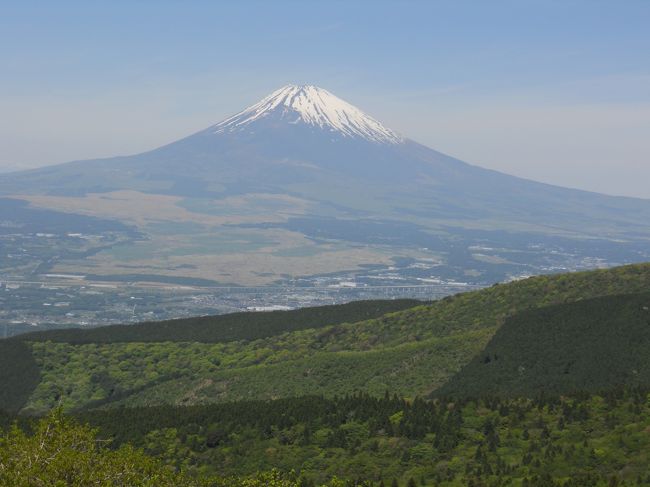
<point>325,244</point>
<point>327,208</point>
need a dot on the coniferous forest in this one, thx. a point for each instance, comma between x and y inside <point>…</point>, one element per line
<point>578,440</point>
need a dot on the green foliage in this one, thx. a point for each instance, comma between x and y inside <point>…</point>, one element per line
<point>289,434</point>
<point>590,345</point>
<point>553,333</point>
<point>6,419</point>
<point>489,308</point>
<point>63,453</point>
<point>228,327</point>
<point>19,374</point>
<point>80,375</point>
<point>275,478</point>
<point>556,441</point>
<point>569,441</point>
<point>412,352</point>
<point>194,373</point>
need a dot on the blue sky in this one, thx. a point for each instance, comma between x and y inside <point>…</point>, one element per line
<point>557,91</point>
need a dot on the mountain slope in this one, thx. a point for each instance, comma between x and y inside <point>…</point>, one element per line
<point>303,187</point>
<point>571,441</point>
<point>412,352</point>
<point>228,327</point>
<point>304,141</point>
<point>311,106</point>
<point>590,345</point>
<point>20,374</point>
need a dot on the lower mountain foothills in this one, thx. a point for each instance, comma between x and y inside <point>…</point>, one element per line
<point>590,345</point>
<point>357,440</point>
<point>408,348</point>
<point>542,381</point>
<point>578,438</point>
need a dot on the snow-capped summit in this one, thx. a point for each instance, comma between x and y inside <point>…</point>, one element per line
<point>313,106</point>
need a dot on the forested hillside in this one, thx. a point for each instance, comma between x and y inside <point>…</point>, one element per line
<point>20,374</point>
<point>579,438</point>
<point>228,327</point>
<point>58,451</point>
<point>410,352</point>
<point>541,382</point>
<point>596,440</point>
<point>590,345</point>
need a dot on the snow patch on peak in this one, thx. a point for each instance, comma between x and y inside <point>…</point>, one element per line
<point>313,106</point>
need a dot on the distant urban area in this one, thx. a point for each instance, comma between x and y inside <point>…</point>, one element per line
<point>61,301</point>
<point>36,299</point>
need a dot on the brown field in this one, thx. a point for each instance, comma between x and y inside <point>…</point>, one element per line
<point>257,268</point>
<point>142,208</point>
<point>184,243</point>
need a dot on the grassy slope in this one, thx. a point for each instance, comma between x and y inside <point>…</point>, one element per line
<point>591,345</point>
<point>322,360</point>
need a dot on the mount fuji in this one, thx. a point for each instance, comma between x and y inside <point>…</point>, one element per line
<point>303,160</point>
